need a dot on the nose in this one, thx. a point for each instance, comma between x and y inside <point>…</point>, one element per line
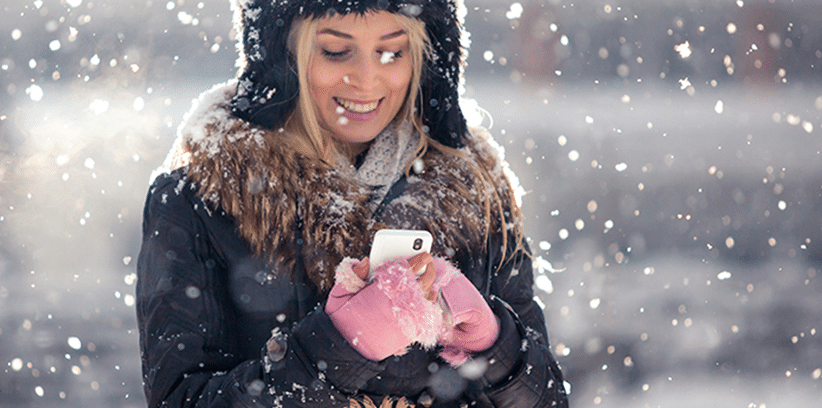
<point>364,73</point>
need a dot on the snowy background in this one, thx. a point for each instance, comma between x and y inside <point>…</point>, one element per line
<point>671,150</point>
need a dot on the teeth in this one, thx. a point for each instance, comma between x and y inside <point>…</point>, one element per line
<point>357,107</point>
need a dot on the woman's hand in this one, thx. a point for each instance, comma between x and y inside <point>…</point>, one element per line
<point>423,266</point>
<point>384,315</point>
<point>427,275</point>
<point>470,326</point>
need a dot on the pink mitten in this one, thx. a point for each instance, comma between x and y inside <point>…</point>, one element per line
<point>470,324</point>
<point>383,316</point>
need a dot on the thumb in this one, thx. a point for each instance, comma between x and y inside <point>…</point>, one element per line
<point>361,268</point>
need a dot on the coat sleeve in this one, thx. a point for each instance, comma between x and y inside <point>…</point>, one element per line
<point>187,324</point>
<point>522,371</point>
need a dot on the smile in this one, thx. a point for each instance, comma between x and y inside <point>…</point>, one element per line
<point>358,107</point>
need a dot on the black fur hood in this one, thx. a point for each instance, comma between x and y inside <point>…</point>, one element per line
<point>268,85</point>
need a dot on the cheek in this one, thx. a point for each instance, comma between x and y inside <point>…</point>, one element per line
<point>321,84</point>
<point>401,79</point>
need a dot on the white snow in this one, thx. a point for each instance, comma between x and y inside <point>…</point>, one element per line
<point>35,92</point>
<point>418,166</point>
<point>719,107</point>
<point>515,11</point>
<point>387,57</point>
<point>16,364</point>
<point>488,55</point>
<point>766,137</point>
<point>594,303</point>
<point>544,284</point>
<point>573,155</point>
<point>139,104</point>
<point>130,279</point>
<point>185,18</point>
<point>99,106</point>
<point>473,369</point>
<point>74,343</point>
<point>683,49</point>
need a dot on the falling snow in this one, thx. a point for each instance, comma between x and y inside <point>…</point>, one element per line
<point>387,57</point>
<point>35,93</point>
<point>670,157</point>
<point>515,11</point>
<point>684,50</point>
<point>719,107</point>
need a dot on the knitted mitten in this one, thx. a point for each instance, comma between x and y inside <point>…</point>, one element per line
<point>383,316</point>
<point>470,325</point>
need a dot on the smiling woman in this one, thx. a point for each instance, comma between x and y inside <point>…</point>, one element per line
<point>254,288</point>
<point>359,71</point>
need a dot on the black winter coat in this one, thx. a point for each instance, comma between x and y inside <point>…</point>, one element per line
<point>207,304</point>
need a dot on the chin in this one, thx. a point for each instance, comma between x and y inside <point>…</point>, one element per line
<point>364,132</point>
<point>356,137</point>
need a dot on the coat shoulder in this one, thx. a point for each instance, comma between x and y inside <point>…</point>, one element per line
<point>490,155</point>
<point>171,194</point>
<point>170,184</point>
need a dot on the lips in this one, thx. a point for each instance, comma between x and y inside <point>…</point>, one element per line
<point>358,108</point>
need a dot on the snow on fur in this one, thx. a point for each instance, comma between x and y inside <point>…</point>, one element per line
<point>345,276</point>
<point>419,319</point>
<point>484,143</point>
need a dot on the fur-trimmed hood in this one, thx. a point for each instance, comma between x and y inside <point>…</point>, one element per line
<point>286,204</point>
<point>268,85</point>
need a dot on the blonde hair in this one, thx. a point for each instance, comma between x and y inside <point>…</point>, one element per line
<point>304,124</point>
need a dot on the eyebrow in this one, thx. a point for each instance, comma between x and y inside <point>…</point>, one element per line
<point>346,36</point>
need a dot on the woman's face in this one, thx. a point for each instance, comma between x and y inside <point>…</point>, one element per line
<point>359,75</point>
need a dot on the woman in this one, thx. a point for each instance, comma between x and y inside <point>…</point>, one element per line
<point>254,289</point>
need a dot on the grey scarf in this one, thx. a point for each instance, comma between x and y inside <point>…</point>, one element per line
<point>386,159</point>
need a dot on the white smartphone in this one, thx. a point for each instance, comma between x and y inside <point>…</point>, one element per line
<point>391,244</point>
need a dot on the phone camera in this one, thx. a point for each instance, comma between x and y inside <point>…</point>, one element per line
<point>417,244</point>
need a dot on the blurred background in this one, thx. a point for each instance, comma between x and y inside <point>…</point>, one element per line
<point>671,151</point>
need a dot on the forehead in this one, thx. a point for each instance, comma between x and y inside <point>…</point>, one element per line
<point>373,24</point>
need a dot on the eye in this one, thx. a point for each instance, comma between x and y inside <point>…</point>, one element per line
<point>390,56</point>
<point>335,55</point>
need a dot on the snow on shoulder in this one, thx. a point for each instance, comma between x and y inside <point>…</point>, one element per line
<point>205,128</point>
<point>483,143</point>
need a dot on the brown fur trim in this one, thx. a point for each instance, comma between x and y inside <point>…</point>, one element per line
<point>272,193</point>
